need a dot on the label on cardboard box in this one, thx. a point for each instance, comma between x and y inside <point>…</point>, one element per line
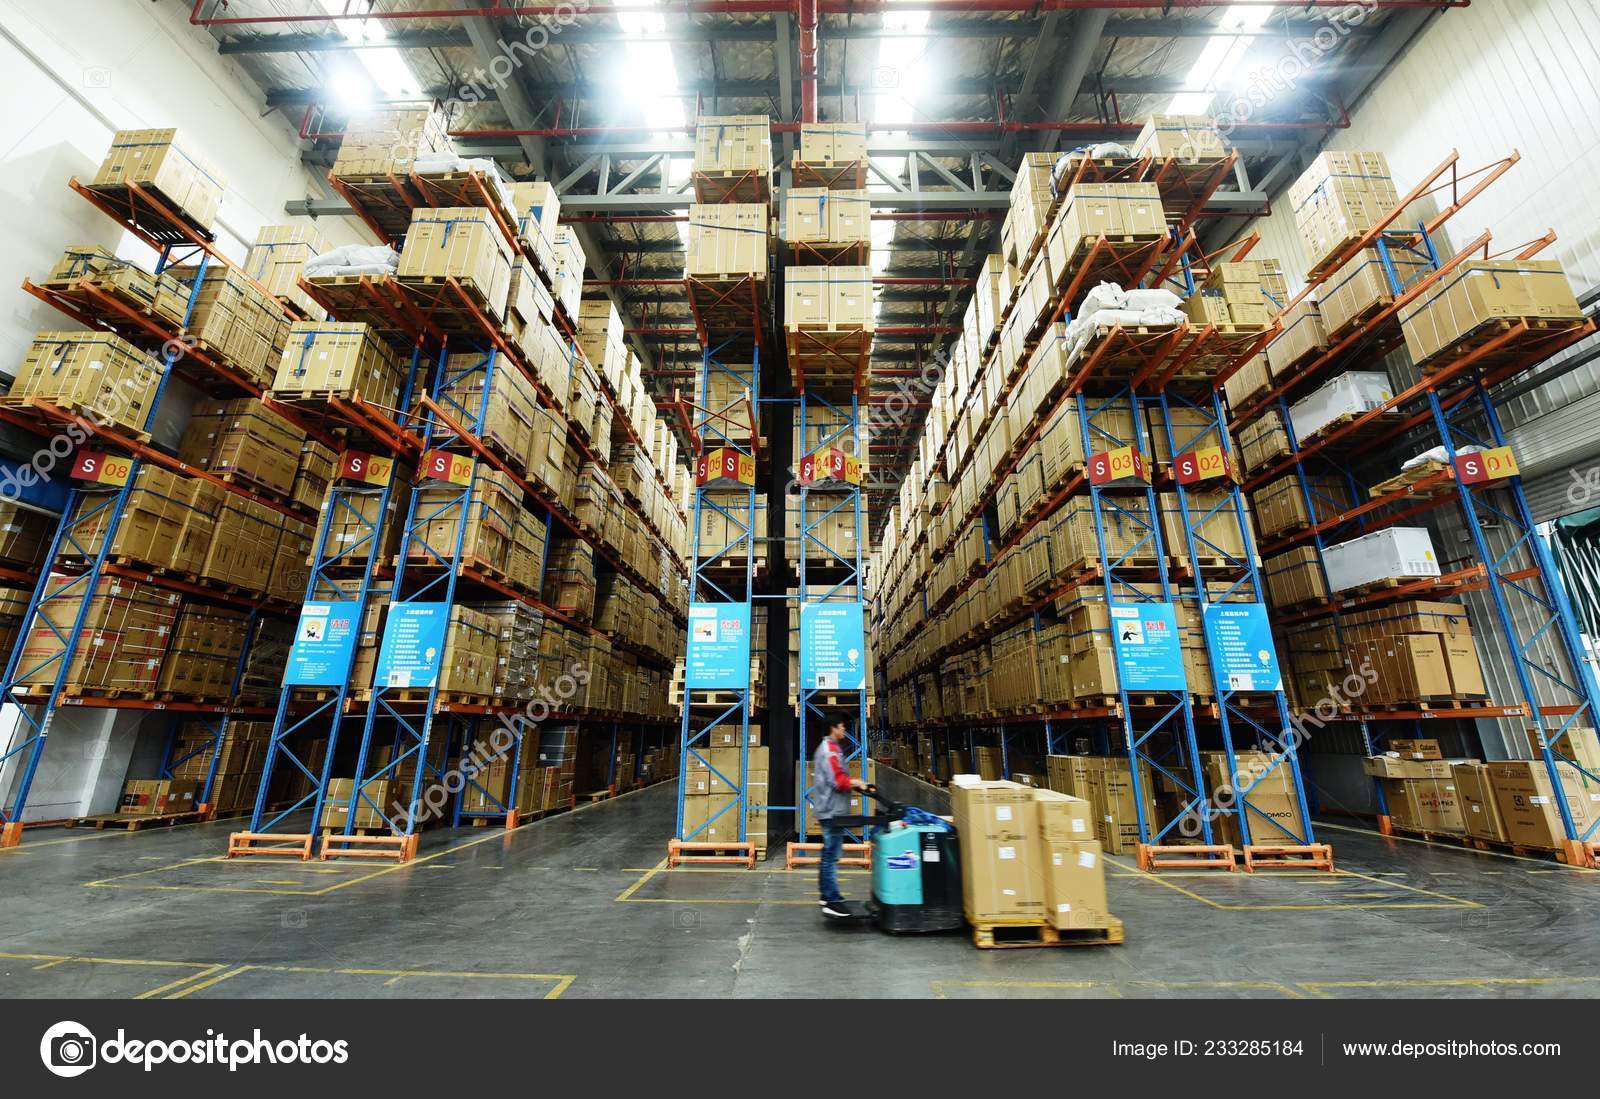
<point>1006,852</point>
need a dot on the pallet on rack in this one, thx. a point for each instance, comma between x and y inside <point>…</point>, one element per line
<point>1008,935</point>
<point>142,205</point>
<point>829,360</point>
<point>835,175</point>
<point>1532,330</point>
<point>470,187</point>
<point>1407,479</point>
<point>732,185</point>
<point>133,822</point>
<point>826,254</point>
<point>381,199</point>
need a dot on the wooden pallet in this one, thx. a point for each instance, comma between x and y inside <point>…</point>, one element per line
<point>431,289</point>
<point>830,254</point>
<point>1114,249</point>
<point>463,188</point>
<point>133,822</point>
<point>144,215</point>
<point>1539,329</point>
<point>728,185</point>
<point>1406,479</point>
<point>1005,936</point>
<point>43,406</point>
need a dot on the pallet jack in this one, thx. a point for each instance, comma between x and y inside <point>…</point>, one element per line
<point>916,870</point>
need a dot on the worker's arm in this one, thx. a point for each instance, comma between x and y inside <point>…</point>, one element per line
<point>841,777</point>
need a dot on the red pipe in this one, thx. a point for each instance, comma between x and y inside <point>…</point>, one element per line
<point>806,16</point>
<point>916,329</point>
<point>775,7</point>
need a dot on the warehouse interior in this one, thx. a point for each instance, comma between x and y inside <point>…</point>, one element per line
<point>461,458</point>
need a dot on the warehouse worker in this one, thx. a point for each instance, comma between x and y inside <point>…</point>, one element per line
<point>831,786</point>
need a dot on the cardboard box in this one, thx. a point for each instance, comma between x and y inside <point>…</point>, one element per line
<point>346,359</point>
<point>159,797</point>
<point>1075,884</point>
<point>733,143</point>
<point>1482,291</point>
<point>94,372</point>
<point>1414,748</point>
<point>156,159</point>
<point>1526,800</point>
<point>1363,286</point>
<point>1187,138</point>
<point>464,243</point>
<point>728,240</point>
<point>1338,198</point>
<point>1480,810</point>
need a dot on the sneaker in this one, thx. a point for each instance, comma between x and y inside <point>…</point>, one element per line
<point>839,910</point>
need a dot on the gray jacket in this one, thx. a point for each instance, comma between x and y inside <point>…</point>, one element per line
<point>827,800</point>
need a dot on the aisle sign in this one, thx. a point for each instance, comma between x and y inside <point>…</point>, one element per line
<point>1149,654</point>
<point>413,645</point>
<point>358,465</point>
<point>1486,465</point>
<point>1202,464</point>
<point>833,646</point>
<point>719,647</point>
<point>106,469</point>
<point>324,641</point>
<point>1239,637</point>
<point>1122,464</point>
<point>444,466</point>
<point>725,464</point>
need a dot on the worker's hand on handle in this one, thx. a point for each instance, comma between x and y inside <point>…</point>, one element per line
<point>857,784</point>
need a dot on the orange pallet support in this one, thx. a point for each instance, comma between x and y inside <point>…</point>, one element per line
<point>1153,857</point>
<point>737,854</point>
<point>400,848</point>
<point>809,854</point>
<point>287,845</point>
<point>1296,856</point>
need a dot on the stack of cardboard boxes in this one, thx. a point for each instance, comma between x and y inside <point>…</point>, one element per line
<point>832,143</point>
<point>278,257</point>
<point>816,215</point>
<point>176,172</point>
<point>1481,292</point>
<point>385,141</point>
<point>1338,198</point>
<point>126,630</point>
<point>733,145</point>
<point>727,241</point>
<point>163,296</point>
<point>711,798</point>
<point>462,243</point>
<point>1188,138</point>
<point>237,321</point>
<point>94,373</point>
<point>1028,856</point>
<point>324,357</point>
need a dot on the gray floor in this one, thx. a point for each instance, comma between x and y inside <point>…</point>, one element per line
<point>579,905</point>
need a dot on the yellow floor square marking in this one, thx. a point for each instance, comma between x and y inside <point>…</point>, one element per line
<point>1442,900</point>
<point>941,989</point>
<point>118,881</point>
<point>1555,867</point>
<point>50,961</point>
<point>562,981</point>
<point>1323,988</point>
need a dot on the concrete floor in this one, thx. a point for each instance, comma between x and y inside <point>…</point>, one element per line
<point>579,905</point>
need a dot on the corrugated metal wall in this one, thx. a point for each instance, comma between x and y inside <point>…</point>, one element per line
<point>1487,79</point>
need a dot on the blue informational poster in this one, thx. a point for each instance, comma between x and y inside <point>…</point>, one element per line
<point>1239,636</point>
<point>1149,654</point>
<point>323,643</point>
<point>833,647</point>
<point>413,645</point>
<point>719,647</point>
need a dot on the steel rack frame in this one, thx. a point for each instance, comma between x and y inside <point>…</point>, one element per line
<point>709,580</point>
<point>346,574</point>
<point>218,730</point>
<point>1529,600</point>
<point>845,498</point>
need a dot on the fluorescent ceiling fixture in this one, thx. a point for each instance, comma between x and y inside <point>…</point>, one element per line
<point>384,65</point>
<point>351,90</point>
<point>1222,53</point>
<point>900,77</point>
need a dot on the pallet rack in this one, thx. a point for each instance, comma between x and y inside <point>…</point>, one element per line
<point>1453,407</point>
<point>177,241</point>
<point>438,320</point>
<point>1144,375</point>
<point>727,441</point>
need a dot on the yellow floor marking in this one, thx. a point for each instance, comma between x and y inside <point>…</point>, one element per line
<point>940,988</point>
<point>563,981</point>
<point>179,983</point>
<point>628,893</point>
<point>1453,902</point>
<point>1320,988</point>
<point>48,965</point>
<point>587,869</point>
<point>276,881</point>
<point>112,882</point>
<point>1557,866</point>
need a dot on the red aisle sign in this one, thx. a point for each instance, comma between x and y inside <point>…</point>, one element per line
<point>358,465</point>
<point>106,469</point>
<point>1486,465</point>
<point>1202,464</point>
<point>444,466</point>
<point>1116,465</point>
<point>725,464</point>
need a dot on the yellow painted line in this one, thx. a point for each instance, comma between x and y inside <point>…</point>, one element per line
<point>276,881</point>
<point>48,965</point>
<point>562,981</point>
<point>940,989</point>
<point>1322,988</point>
<point>713,900</point>
<point>1451,902</point>
<point>1556,867</point>
<point>179,983</point>
<point>627,894</point>
<point>218,979</point>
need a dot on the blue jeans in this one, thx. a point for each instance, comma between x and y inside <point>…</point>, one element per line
<point>828,868</point>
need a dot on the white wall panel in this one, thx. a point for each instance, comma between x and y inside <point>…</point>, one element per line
<point>75,72</point>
